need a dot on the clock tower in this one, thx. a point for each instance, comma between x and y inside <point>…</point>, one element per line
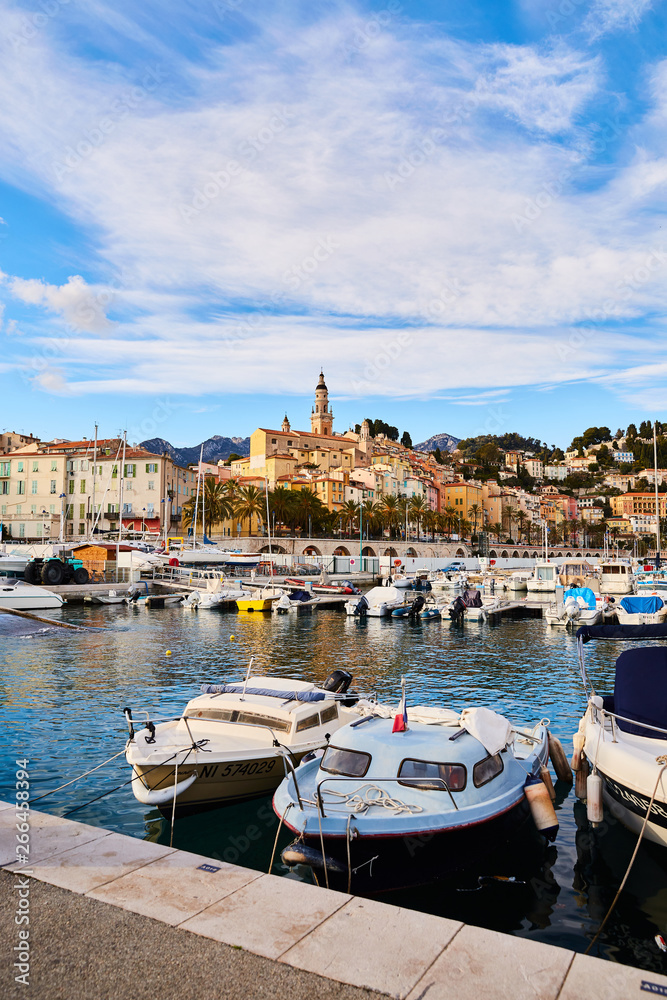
<point>321,417</point>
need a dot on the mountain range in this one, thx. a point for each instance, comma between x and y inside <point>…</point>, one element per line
<point>445,442</point>
<point>215,449</point>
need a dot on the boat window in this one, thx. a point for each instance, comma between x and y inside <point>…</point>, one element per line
<point>252,718</point>
<point>350,763</point>
<point>308,723</point>
<point>453,775</point>
<point>487,769</point>
<point>231,715</point>
<point>329,713</point>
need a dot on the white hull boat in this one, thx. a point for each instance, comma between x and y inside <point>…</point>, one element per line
<point>234,741</point>
<point>579,607</point>
<point>20,596</point>
<point>641,609</point>
<point>379,602</point>
<point>616,578</point>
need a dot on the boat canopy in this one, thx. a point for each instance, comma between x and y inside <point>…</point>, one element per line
<point>640,690</point>
<point>642,605</point>
<point>265,692</point>
<point>588,632</point>
<point>472,599</point>
<point>584,592</point>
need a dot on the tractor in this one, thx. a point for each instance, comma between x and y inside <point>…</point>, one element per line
<point>56,570</point>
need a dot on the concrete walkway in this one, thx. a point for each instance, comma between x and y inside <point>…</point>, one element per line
<point>116,917</point>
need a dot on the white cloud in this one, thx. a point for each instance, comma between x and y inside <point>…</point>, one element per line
<point>81,306</point>
<point>615,15</point>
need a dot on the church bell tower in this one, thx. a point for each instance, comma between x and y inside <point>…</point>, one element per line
<point>321,418</point>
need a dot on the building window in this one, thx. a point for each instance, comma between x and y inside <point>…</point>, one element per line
<point>53,486</point>
<point>4,487</point>
<point>33,508</point>
<point>151,467</point>
<point>35,466</point>
<point>20,488</point>
<point>82,486</point>
<point>150,509</point>
<point>81,529</point>
<point>69,512</point>
<point>127,508</point>
<point>130,470</point>
<point>114,472</point>
<point>54,465</point>
<point>151,484</point>
<point>70,486</point>
<point>82,510</point>
<point>84,465</point>
<point>52,508</point>
<point>20,467</point>
<point>129,485</point>
<point>111,508</point>
<point>5,468</point>
<point>21,530</point>
<point>4,510</point>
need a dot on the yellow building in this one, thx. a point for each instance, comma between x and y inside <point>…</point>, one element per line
<point>461,496</point>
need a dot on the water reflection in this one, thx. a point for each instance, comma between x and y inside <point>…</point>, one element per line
<point>63,695</point>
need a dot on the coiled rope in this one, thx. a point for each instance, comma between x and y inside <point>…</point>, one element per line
<point>364,798</point>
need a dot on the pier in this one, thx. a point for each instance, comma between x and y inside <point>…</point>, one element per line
<point>164,922</point>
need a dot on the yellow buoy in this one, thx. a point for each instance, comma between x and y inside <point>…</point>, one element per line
<point>231,638</point>
<point>168,653</point>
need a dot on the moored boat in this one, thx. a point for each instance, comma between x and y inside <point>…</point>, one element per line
<point>16,595</point>
<point>378,602</point>
<point>641,609</point>
<point>579,605</point>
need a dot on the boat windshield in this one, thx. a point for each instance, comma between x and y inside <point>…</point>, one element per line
<point>232,715</point>
<point>453,775</point>
<point>349,763</point>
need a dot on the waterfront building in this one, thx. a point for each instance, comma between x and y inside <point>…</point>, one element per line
<point>461,495</point>
<point>638,503</point>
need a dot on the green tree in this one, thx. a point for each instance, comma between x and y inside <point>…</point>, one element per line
<point>389,513</point>
<point>349,513</point>
<point>215,504</point>
<point>416,510</point>
<point>509,513</point>
<point>406,440</point>
<point>249,502</point>
<point>474,512</point>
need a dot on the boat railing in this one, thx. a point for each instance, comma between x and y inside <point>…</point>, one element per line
<point>427,784</point>
<point>613,716</point>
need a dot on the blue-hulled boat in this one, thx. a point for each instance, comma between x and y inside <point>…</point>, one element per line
<point>382,809</point>
<point>411,610</point>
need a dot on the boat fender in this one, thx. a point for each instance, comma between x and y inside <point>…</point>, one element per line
<point>546,778</point>
<point>160,796</point>
<point>580,779</point>
<point>559,759</point>
<point>299,854</point>
<point>578,741</point>
<point>173,561</point>
<point>541,808</point>
<point>594,809</point>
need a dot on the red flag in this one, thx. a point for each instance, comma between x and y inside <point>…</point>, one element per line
<point>401,719</point>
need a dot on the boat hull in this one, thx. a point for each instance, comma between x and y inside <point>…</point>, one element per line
<point>28,598</point>
<point>384,863</point>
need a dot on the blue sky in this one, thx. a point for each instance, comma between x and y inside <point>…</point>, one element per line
<point>457,210</point>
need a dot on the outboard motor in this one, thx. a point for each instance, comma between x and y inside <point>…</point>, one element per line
<point>457,610</point>
<point>416,606</point>
<point>362,607</point>
<point>338,682</point>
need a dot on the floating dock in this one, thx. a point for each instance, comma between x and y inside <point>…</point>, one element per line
<point>112,915</point>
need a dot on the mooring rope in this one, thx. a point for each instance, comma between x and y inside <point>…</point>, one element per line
<point>357,802</point>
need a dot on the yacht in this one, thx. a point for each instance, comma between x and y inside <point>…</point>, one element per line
<point>16,595</point>
<point>378,602</point>
<point>616,577</point>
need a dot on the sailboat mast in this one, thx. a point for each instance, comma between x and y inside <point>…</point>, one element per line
<point>268,518</point>
<point>657,501</point>
<point>92,517</point>
<point>194,530</point>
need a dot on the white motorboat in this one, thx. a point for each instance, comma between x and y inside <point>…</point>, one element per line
<point>295,602</point>
<point>616,577</point>
<point>517,582</point>
<point>376,603</point>
<point>622,737</point>
<point>111,597</point>
<point>217,592</point>
<point>234,741</point>
<point>402,801</point>
<point>13,564</point>
<point>16,595</point>
<point>471,606</point>
<point>641,609</point>
<point>579,606</point>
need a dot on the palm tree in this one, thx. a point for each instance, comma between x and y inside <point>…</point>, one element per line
<point>309,509</point>
<point>496,529</point>
<point>452,518</point>
<point>389,512</point>
<point>349,512</point>
<point>249,502</point>
<point>521,519</point>
<point>465,527</point>
<point>282,503</point>
<point>509,513</point>
<point>431,522</point>
<point>417,507</point>
<point>474,511</point>
<point>215,504</point>
<point>371,514</point>
<point>402,507</point>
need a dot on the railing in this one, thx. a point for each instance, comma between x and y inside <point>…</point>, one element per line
<point>427,784</point>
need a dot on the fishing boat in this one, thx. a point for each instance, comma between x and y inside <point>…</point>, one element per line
<point>394,802</point>
<point>378,602</point>
<point>616,577</point>
<point>641,609</point>
<point>579,605</point>
<point>470,606</point>
<point>234,741</point>
<point>16,595</point>
<point>259,601</point>
<point>622,737</point>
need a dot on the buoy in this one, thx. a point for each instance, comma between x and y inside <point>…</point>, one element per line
<point>541,807</point>
<point>168,653</point>
<point>580,779</point>
<point>578,741</point>
<point>559,759</point>
<point>546,778</point>
<point>231,638</point>
<point>299,854</point>
<point>160,796</point>
<point>594,809</point>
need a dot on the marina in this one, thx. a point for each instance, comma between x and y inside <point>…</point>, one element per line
<point>68,693</point>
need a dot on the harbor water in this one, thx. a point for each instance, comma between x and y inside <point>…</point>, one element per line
<point>63,694</point>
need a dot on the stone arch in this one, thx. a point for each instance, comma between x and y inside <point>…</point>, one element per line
<point>411,553</point>
<point>311,550</point>
<point>390,552</point>
<point>578,555</point>
<point>493,554</point>
<point>341,551</point>
<point>588,555</point>
<point>368,550</point>
<point>552,555</point>
<point>504,554</point>
<point>526,555</point>
<point>515,555</point>
<point>568,555</point>
<point>461,552</point>
<point>534,555</point>
<point>274,548</point>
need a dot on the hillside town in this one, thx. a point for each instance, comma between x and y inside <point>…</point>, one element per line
<point>323,482</point>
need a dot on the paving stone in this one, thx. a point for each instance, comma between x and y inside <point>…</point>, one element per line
<point>598,979</point>
<point>267,916</point>
<point>99,861</point>
<point>174,887</point>
<point>47,835</point>
<point>374,945</point>
<point>481,964</point>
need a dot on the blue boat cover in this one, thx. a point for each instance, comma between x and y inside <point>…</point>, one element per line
<point>588,632</point>
<point>584,592</point>
<point>640,691</point>
<point>265,692</point>
<point>642,605</point>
